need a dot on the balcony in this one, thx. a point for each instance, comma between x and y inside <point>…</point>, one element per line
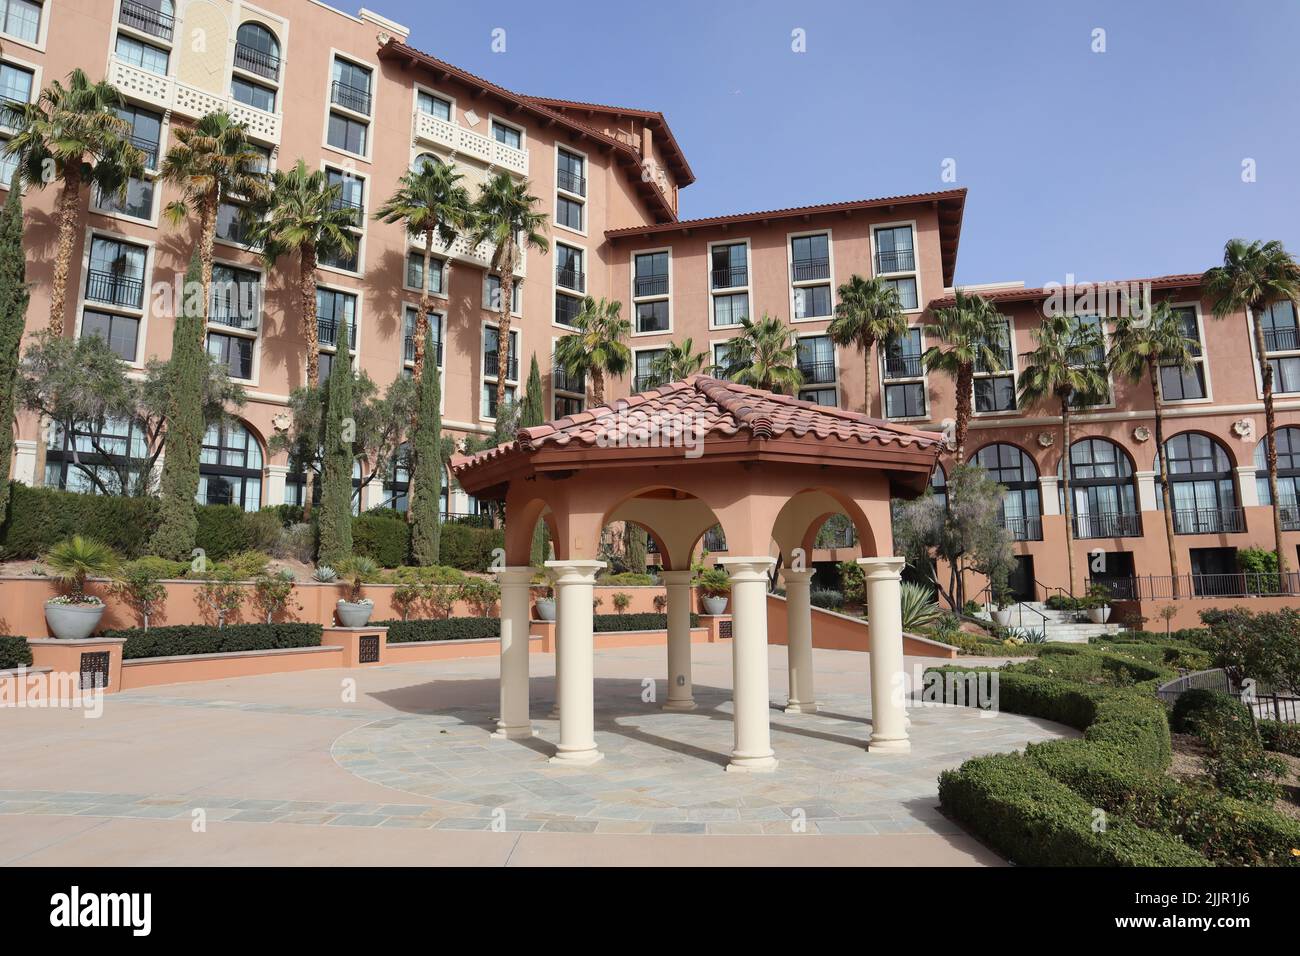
<point>1024,527</point>
<point>1209,520</point>
<point>571,183</point>
<point>735,277</point>
<point>1282,340</point>
<point>408,348</point>
<point>567,309</point>
<point>147,19</point>
<point>1108,525</point>
<point>327,332</point>
<point>353,207</point>
<point>233,315</point>
<point>807,270</point>
<point>564,382</point>
<point>651,285</point>
<point>895,260</point>
<point>462,250</point>
<point>573,279</point>
<point>903,366</point>
<point>1149,587</point>
<point>350,97</point>
<point>818,373</point>
<point>465,142</point>
<point>113,289</point>
<point>645,382</point>
<point>263,64</point>
<point>490,359</point>
<point>714,539</point>
<point>167,93</point>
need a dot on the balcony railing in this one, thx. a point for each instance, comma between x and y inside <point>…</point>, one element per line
<point>571,182</point>
<point>573,279</point>
<point>327,330</point>
<point>114,289</point>
<point>817,373</point>
<point>896,260</point>
<point>567,309</point>
<point>651,285</point>
<point>146,19</point>
<point>1024,527</point>
<point>564,382</point>
<point>643,383</point>
<point>354,207</point>
<point>408,348</point>
<point>350,97</point>
<point>1108,525</point>
<point>1209,520</point>
<point>1290,515</point>
<point>1148,587</point>
<point>903,366</point>
<point>258,61</point>
<point>232,316</point>
<point>147,146</point>
<point>1282,340</point>
<point>805,270</point>
<point>715,540</point>
<point>490,359</point>
<point>732,278</point>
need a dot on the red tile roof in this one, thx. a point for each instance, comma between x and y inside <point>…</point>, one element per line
<point>1019,294</point>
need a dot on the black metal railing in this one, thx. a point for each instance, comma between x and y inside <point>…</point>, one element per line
<point>1290,509</point>
<point>1282,340</point>
<point>147,19</point>
<point>350,97</point>
<point>805,270</point>
<point>896,260</point>
<point>571,182</point>
<point>732,278</point>
<point>1024,527</point>
<point>327,331</point>
<point>651,285</point>
<point>715,540</point>
<point>466,518</point>
<point>147,146</point>
<point>257,61</point>
<point>1209,520</point>
<point>573,279</point>
<point>1238,584</point>
<point>1004,360</point>
<point>354,207</point>
<point>1108,525</point>
<point>567,309</point>
<point>565,382</point>
<point>903,366</point>
<point>490,367</point>
<point>114,289</point>
<point>408,348</point>
<point>817,373</point>
<point>642,383</point>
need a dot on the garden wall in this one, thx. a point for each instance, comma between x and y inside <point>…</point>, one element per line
<point>1187,610</point>
<point>839,632</point>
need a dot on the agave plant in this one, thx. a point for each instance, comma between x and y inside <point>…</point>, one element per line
<point>76,559</point>
<point>918,605</point>
<point>325,574</point>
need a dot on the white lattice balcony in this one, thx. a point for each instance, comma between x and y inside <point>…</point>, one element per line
<point>168,93</point>
<point>462,141</point>
<point>461,251</point>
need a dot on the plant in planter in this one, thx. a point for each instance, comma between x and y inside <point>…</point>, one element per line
<point>1098,604</point>
<point>222,593</point>
<point>714,586</point>
<point>139,585</point>
<point>661,603</point>
<point>355,609</point>
<point>75,614</point>
<point>1002,601</point>
<point>545,600</point>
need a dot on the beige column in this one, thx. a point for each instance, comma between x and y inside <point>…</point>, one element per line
<point>513,722</point>
<point>885,627</point>
<point>798,640</point>
<point>559,671</point>
<point>680,688</point>
<point>575,669</point>
<point>750,696</point>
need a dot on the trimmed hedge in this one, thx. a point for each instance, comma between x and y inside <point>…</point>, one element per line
<point>207,639</point>
<point>386,540</point>
<point>1193,706</point>
<point>647,621</point>
<point>446,629</point>
<point>14,652</point>
<point>469,548</point>
<point>38,518</point>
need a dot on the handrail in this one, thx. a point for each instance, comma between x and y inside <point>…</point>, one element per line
<point>1020,610</point>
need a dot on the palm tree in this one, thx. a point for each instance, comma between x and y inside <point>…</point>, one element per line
<point>432,203</point>
<point>970,327</point>
<point>1064,365</point>
<point>503,216</point>
<point>1253,276</point>
<point>868,312</point>
<point>72,134</point>
<point>598,347</point>
<point>1141,346</point>
<point>765,355</point>
<point>678,361</point>
<point>212,160</point>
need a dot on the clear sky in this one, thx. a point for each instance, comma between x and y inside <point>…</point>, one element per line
<point>1111,165</point>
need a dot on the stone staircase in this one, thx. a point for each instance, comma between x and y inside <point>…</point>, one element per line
<point>1064,626</point>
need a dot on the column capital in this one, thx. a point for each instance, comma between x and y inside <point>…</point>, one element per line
<point>677,577</point>
<point>882,568</point>
<point>747,569</point>
<point>515,576</point>
<point>277,469</point>
<point>798,577</point>
<point>580,571</point>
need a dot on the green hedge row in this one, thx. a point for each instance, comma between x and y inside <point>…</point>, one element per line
<point>446,629</point>
<point>647,621</point>
<point>1280,738</point>
<point>207,639</point>
<point>14,652</point>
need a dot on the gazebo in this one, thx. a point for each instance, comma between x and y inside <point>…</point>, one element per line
<point>678,460</point>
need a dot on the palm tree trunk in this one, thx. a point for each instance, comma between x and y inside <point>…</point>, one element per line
<point>311,334</point>
<point>1162,476</point>
<point>421,333</point>
<point>597,385</point>
<point>207,237</point>
<point>1270,429</point>
<point>867,346</point>
<point>68,215</point>
<point>1065,491</point>
<point>503,326</point>
<point>965,387</point>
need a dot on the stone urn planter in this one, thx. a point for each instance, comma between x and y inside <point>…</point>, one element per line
<point>355,613</point>
<point>73,622</point>
<point>714,605</point>
<point>546,609</point>
<point>1002,616</point>
<point>1099,615</point>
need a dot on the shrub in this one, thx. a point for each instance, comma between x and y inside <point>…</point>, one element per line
<point>621,601</point>
<point>384,540</point>
<point>76,559</point>
<point>263,530</point>
<point>645,621</point>
<point>245,565</point>
<point>38,518</point>
<point>628,579</point>
<point>273,594</point>
<point>827,598</point>
<point>296,542</point>
<point>221,594</point>
<point>1260,646</point>
<point>222,531</point>
<point>14,652</point>
<point>481,595</point>
<point>1193,706</point>
<point>852,581</point>
<point>1235,760</point>
<point>1280,737</point>
<point>139,585</point>
<point>452,629</point>
<point>204,639</point>
<point>469,548</point>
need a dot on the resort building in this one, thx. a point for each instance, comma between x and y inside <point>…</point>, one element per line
<point>355,97</point>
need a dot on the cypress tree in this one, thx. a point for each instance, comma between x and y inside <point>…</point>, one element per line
<point>178,522</point>
<point>426,468</point>
<point>533,412</point>
<point>336,470</point>
<point>13,317</point>
<point>634,546</point>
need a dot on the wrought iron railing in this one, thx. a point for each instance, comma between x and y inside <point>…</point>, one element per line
<point>490,368</point>
<point>114,289</point>
<point>903,366</point>
<point>715,540</point>
<point>350,97</point>
<point>147,146</point>
<point>651,285</point>
<point>817,373</point>
<point>147,19</point>
<point>1209,520</point>
<point>573,279</point>
<point>408,348</point>
<point>1108,525</point>
<point>895,260</point>
<point>731,278</point>
<point>352,206</point>
<point>565,382</point>
<point>571,182</point>
<point>1024,527</point>
<point>1290,515</point>
<point>567,309</point>
<point>642,383</point>
<point>327,331</point>
<point>805,270</point>
<point>257,61</point>
<point>1239,584</point>
<point>1282,340</point>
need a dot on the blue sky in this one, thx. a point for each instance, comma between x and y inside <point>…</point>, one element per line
<point>1107,165</point>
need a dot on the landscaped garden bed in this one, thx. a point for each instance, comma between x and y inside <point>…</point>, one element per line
<point>199,639</point>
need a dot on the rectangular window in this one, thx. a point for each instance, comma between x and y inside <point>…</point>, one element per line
<point>434,106</point>
<point>346,261</point>
<point>15,84</point>
<point>508,135</point>
<point>136,202</point>
<point>722,359</point>
<point>567,309</point>
<point>812,301</point>
<point>820,396</point>
<point>236,297</point>
<point>568,405</point>
<point>568,213</point>
<point>146,56</point>
<point>492,294</point>
<point>894,252</point>
<point>347,134</point>
<point>352,192</point>
<point>490,357</point>
<point>116,273</point>
<point>145,131</point>
<point>652,316</point>
<point>903,355</point>
<point>490,399</point>
<point>1280,330</point>
<point>252,94</point>
<point>730,309</point>
<point>234,352</point>
<point>571,173</point>
<point>997,393</point>
<point>21,19</point>
<point>729,265</point>
<point>332,307</point>
<point>350,87</point>
<point>906,289</point>
<point>232,225</point>
<point>651,274</point>
<point>810,258</point>
<point>817,359</point>
<point>415,271</point>
<point>119,331</point>
<point>408,333</point>
<point>8,164</point>
<point>905,401</point>
<point>1179,384</point>
<point>645,377</point>
<point>569,272</point>
<point>1286,374</point>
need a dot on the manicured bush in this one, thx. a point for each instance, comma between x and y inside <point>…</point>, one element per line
<point>223,531</point>
<point>1280,738</point>
<point>1194,705</point>
<point>39,518</point>
<point>628,579</point>
<point>450,629</point>
<point>826,598</point>
<point>646,621</point>
<point>206,639</point>
<point>14,652</point>
<point>469,548</point>
<point>852,582</point>
<point>384,540</point>
<point>1236,761</point>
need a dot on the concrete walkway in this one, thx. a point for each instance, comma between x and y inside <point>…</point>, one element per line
<point>394,765</point>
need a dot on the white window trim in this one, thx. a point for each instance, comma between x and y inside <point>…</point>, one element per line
<point>794,286</point>
<point>730,290</point>
<point>419,254</point>
<point>142,314</point>
<point>517,290</point>
<point>923,379</point>
<point>557,392</point>
<point>557,289</point>
<point>914,273</point>
<point>153,176</point>
<point>637,350</point>
<point>835,358</point>
<point>1203,360</point>
<point>330,106</point>
<point>523,133</point>
<point>665,296</point>
<point>280,29</point>
<point>484,378</point>
<point>255,335</point>
<point>1254,354</point>
<point>572,197</point>
<point>432,91</point>
<point>358,321</point>
<point>42,30</point>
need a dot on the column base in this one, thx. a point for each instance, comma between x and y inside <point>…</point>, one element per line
<point>522,732</point>
<point>897,745</point>
<point>577,758</point>
<point>801,707</point>
<point>683,705</point>
<point>752,764</point>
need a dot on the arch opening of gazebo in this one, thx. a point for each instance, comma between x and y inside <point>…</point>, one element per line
<point>677,460</point>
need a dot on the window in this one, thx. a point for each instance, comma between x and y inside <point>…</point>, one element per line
<point>145,135</point>
<point>8,165</point>
<point>812,301</point>
<point>491,339</point>
<point>489,408</point>
<point>904,376</point>
<point>906,289</point>
<point>98,458</point>
<point>347,134</point>
<point>15,84</point>
<point>332,308</point>
<point>230,467</point>
<point>730,309</point>
<point>817,363</point>
<point>352,192</point>
<point>1201,486</point>
<point>894,252</point>
<point>995,384</point>
<point>1103,496</point>
<point>1281,335</point>
<point>234,353</point>
<point>905,400</point>
<point>154,17</point>
<point>646,377</point>
<point>652,316</point>
<point>1288,475</point>
<point>350,88</point>
<point>397,484</point>
<point>415,272</point>
<point>1021,505</point>
<point>232,224</point>
<point>119,331</point>
<point>492,294</point>
<point>569,272</point>
<point>939,485</point>
<point>571,172</point>
<point>730,266</point>
<point>236,297</point>
<point>116,273</point>
<point>722,360</point>
<point>344,261</point>
<point>651,274</point>
<point>146,56</point>
<point>21,19</point>
<point>434,106</point>
<point>252,94</point>
<point>569,391</point>
<point>411,317</point>
<point>568,213</point>
<point>257,51</point>
<point>1184,384</point>
<point>567,309</point>
<point>509,135</point>
<point>1095,356</point>
<point>810,258</point>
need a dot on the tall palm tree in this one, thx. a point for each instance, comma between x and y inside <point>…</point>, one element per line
<point>678,361</point>
<point>598,347</point>
<point>504,216</point>
<point>1140,347</point>
<point>71,134</point>
<point>1064,366</point>
<point>868,312</point>
<point>304,213</point>
<point>970,328</point>
<point>765,355</point>
<point>212,160</point>
<point>431,202</point>
<point>1253,276</point>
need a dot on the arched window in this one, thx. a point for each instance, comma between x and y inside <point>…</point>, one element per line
<point>1021,506</point>
<point>939,484</point>
<point>230,467</point>
<point>258,51</point>
<point>1288,475</point>
<point>107,458</point>
<point>1102,493</point>
<point>423,160</point>
<point>1201,486</point>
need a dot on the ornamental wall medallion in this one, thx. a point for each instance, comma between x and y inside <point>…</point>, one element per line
<point>1046,439</point>
<point>1244,428</point>
<point>1141,433</point>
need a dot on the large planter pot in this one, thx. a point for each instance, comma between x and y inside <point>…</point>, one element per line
<point>73,622</point>
<point>1002,616</point>
<point>354,615</point>
<point>714,605</point>
<point>1099,615</point>
<point>546,609</point>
